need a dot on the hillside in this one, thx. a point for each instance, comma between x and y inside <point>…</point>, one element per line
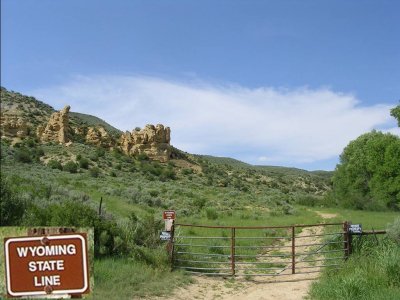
<point>75,183</point>
<point>137,183</point>
<point>90,120</point>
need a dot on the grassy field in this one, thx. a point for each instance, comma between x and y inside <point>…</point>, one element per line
<point>369,219</point>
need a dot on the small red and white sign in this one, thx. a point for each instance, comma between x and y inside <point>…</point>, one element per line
<point>169,215</point>
<point>39,265</point>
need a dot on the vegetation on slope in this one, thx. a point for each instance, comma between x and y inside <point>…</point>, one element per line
<point>90,120</point>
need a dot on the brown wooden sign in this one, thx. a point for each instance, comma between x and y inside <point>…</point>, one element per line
<point>40,265</point>
<point>169,215</point>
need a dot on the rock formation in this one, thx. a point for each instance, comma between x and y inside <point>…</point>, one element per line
<point>57,128</point>
<point>13,126</point>
<point>154,141</point>
<point>99,136</point>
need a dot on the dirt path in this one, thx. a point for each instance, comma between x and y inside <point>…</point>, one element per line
<point>284,287</point>
<point>326,215</point>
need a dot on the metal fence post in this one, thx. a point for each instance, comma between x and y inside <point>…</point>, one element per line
<point>293,250</point>
<point>233,250</point>
<point>349,238</point>
<point>346,239</point>
<point>171,245</point>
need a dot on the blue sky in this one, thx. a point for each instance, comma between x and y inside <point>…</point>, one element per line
<point>268,82</point>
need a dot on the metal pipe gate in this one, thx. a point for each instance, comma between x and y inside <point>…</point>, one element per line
<point>258,250</point>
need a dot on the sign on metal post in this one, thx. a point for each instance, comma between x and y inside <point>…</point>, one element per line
<point>42,265</point>
<point>355,228</point>
<point>165,236</point>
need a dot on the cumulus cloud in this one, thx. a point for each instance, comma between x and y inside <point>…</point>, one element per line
<point>257,125</point>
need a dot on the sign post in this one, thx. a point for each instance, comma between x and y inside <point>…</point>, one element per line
<point>169,218</point>
<point>168,233</point>
<point>44,265</point>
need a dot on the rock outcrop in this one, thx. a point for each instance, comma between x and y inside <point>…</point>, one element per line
<point>13,126</point>
<point>99,136</point>
<point>57,128</point>
<point>154,141</point>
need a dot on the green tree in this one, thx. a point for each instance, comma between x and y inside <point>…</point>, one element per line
<point>368,175</point>
<point>395,112</point>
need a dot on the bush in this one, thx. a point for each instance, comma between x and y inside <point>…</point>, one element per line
<point>23,155</point>
<point>84,163</point>
<point>94,172</point>
<point>70,167</point>
<point>211,213</point>
<point>100,152</point>
<point>94,157</point>
<point>187,171</point>
<point>12,208</point>
<point>142,156</point>
<point>307,200</point>
<point>55,164</point>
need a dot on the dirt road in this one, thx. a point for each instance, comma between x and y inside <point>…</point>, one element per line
<point>285,287</point>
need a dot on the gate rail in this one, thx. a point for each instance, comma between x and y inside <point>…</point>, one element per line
<point>236,254</point>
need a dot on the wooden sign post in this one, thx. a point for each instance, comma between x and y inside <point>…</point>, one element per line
<point>46,265</point>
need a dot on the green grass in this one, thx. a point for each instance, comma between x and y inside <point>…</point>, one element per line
<point>124,278</point>
<point>372,273</point>
<point>369,219</point>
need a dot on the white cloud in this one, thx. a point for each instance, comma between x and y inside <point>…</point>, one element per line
<point>266,124</point>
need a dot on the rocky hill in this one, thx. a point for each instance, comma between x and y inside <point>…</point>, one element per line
<point>42,146</point>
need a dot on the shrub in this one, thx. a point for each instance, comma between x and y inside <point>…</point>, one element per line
<point>23,155</point>
<point>12,208</point>
<point>142,156</point>
<point>55,164</point>
<point>84,163</point>
<point>70,167</point>
<point>30,143</point>
<point>187,171</point>
<point>100,152</point>
<point>211,213</point>
<point>307,200</point>
<point>94,172</point>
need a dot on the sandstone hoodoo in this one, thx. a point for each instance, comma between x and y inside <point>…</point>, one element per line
<point>98,136</point>
<point>57,128</point>
<point>13,126</point>
<point>154,141</point>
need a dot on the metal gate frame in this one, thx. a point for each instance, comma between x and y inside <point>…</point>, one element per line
<point>176,246</point>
